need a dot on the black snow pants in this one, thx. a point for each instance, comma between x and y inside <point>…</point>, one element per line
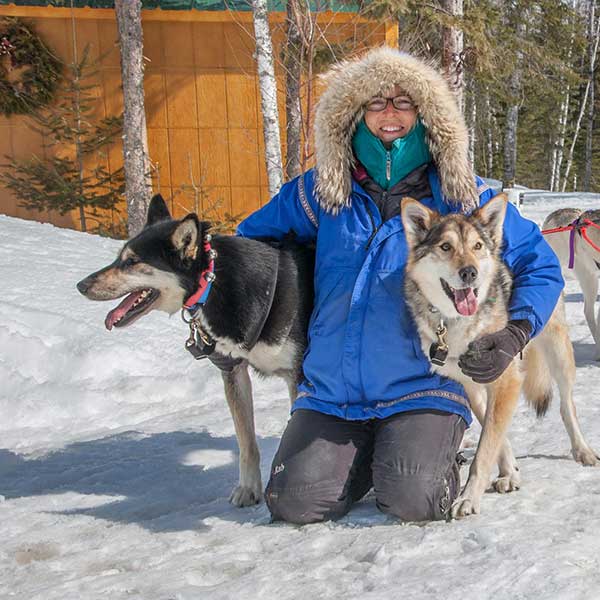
<point>325,463</point>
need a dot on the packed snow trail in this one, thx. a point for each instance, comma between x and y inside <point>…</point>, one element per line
<point>118,454</point>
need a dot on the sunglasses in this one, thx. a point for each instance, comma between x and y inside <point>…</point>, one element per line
<point>380,103</point>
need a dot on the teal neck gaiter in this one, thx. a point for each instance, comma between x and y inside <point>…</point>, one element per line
<point>388,167</point>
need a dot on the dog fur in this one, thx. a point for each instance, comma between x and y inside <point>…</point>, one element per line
<point>586,265</point>
<point>160,268</point>
<point>440,248</point>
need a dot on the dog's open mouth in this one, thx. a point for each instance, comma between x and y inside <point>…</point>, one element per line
<point>464,299</point>
<point>133,306</point>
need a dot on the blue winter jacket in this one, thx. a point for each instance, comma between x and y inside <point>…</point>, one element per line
<point>364,358</point>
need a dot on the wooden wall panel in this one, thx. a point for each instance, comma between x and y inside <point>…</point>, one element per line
<point>181,99</point>
<point>217,201</point>
<point>154,49</point>
<point>158,148</point>
<point>178,43</point>
<point>243,157</point>
<point>211,92</point>
<point>239,46</point>
<point>214,156</point>
<point>242,101</point>
<point>245,200</point>
<point>202,101</point>
<point>209,47</point>
<point>184,157</point>
<point>155,98</point>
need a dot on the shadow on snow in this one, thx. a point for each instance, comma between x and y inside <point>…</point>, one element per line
<point>159,491</point>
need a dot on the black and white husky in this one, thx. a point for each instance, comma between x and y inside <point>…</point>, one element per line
<point>257,309</point>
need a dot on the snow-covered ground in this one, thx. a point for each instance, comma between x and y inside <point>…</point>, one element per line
<point>117,455</point>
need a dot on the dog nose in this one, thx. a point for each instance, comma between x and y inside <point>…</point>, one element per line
<point>83,286</point>
<point>468,275</point>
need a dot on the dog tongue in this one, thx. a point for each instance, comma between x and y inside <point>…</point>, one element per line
<point>114,315</point>
<point>465,301</point>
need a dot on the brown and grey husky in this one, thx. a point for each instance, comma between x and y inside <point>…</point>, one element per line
<point>439,248</point>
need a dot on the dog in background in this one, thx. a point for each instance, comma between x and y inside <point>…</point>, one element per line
<point>586,259</point>
<point>440,248</point>
<point>256,312</point>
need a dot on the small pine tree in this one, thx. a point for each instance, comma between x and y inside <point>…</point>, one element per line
<point>61,181</point>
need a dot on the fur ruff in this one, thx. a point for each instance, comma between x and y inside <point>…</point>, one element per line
<point>350,85</point>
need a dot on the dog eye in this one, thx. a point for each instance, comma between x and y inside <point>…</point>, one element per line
<point>129,262</point>
<point>478,246</point>
<point>446,247</point>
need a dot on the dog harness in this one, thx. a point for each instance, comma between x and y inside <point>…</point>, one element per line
<point>199,344</point>
<point>580,227</point>
<point>196,300</point>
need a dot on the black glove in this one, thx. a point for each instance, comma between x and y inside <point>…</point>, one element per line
<point>225,363</point>
<point>487,357</point>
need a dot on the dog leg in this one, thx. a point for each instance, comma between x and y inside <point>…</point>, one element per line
<point>597,336</point>
<point>292,384</point>
<point>558,352</point>
<point>238,391</point>
<point>589,286</point>
<point>502,400</point>
<point>509,476</point>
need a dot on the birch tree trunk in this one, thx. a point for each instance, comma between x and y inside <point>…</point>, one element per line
<point>489,142</point>
<point>471,104</point>
<point>293,73</point>
<point>268,95</point>
<point>587,178</point>
<point>452,50</point>
<point>595,38</point>
<point>559,144</point>
<point>512,112</point>
<point>138,185</point>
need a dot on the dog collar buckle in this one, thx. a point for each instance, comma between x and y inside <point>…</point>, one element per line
<point>438,351</point>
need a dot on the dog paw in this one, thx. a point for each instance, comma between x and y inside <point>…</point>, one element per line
<point>245,496</point>
<point>464,506</point>
<point>507,483</point>
<point>585,456</point>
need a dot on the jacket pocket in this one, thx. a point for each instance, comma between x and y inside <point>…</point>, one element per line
<point>393,283</point>
<point>327,311</point>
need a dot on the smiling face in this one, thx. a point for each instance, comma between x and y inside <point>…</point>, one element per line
<point>390,124</point>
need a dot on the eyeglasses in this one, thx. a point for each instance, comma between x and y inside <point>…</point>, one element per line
<point>380,103</point>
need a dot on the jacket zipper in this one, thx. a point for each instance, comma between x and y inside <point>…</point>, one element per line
<point>388,167</point>
<point>376,228</point>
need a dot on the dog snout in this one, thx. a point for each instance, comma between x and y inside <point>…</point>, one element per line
<point>468,275</point>
<point>84,285</point>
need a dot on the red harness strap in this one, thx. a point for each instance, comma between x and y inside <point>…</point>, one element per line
<point>206,278</point>
<point>580,226</point>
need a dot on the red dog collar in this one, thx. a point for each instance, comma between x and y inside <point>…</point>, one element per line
<point>206,278</point>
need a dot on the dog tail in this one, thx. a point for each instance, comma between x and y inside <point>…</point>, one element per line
<point>537,386</point>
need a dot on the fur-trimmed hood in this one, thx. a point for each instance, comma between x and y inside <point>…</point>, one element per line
<point>350,84</point>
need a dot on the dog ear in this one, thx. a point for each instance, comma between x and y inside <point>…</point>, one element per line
<point>416,218</point>
<point>185,237</point>
<point>157,211</point>
<point>491,216</point>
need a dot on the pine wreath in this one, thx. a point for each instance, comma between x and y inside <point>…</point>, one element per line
<point>29,72</point>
